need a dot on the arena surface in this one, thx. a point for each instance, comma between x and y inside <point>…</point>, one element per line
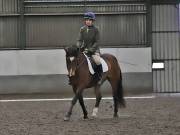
<point>156,115</point>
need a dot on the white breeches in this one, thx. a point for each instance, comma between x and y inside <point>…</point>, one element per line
<point>96,58</point>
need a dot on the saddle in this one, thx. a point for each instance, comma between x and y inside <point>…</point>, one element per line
<point>93,68</point>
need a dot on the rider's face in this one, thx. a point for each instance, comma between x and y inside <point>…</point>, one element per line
<point>88,22</point>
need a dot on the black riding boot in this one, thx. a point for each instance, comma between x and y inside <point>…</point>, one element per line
<point>99,72</point>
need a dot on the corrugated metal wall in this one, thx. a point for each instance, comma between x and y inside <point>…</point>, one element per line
<point>9,25</point>
<point>9,6</point>
<point>46,23</point>
<point>166,47</point>
<point>115,21</point>
<point>122,23</point>
<point>9,32</point>
<point>167,80</point>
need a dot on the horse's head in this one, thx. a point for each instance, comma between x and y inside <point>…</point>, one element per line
<point>71,59</point>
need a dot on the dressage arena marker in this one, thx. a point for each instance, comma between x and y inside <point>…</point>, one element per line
<point>69,99</point>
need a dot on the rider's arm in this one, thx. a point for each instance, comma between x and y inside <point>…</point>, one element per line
<point>79,43</point>
<point>95,45</point>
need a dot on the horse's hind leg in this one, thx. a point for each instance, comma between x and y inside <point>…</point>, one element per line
<point>115,106</point>
<point>81,101</point>
<point>115,97</point>
<point>98,99</point>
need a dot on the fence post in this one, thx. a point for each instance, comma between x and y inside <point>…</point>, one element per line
<point>22,26</point>
<point>148,23</point>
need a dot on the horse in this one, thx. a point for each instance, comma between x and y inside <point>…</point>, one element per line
<point>80,78</point>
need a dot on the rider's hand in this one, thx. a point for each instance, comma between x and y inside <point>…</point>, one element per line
<point>85,51</point>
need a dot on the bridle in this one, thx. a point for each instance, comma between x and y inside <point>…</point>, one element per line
<point>77,65</point>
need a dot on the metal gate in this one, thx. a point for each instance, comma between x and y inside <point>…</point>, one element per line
<point>166,46</point>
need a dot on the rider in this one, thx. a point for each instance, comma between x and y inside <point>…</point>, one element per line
<point>88,38</point>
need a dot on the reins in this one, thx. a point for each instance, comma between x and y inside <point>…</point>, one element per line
<point>80,63</point>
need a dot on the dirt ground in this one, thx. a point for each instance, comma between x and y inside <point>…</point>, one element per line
<point>156,116</point>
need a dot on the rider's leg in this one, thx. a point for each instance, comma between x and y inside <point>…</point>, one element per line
<point>96,58</point>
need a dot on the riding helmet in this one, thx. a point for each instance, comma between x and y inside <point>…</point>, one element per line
<point>89,15</point>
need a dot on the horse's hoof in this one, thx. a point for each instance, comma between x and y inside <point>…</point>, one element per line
<point>86,117</point>
<point>94,115</point>
<point>66,118</point>
<point>116,116</point>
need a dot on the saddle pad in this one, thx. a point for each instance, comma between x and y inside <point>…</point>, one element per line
<point>104,65</point>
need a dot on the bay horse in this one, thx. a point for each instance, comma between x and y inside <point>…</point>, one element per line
<point>80,78</point>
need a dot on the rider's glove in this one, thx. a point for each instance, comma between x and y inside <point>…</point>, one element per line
<point>88,52</point>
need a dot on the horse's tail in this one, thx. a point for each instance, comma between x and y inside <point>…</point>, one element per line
<point>120,93</point>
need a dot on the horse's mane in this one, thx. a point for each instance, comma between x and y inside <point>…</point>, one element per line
<point>72,51</point>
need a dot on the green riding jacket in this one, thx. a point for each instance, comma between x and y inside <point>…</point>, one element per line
<point>88,38</point>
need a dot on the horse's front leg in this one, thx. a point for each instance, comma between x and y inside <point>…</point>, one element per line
<point>73,102</point>
<point>81,102</point>
<point>98,99</point>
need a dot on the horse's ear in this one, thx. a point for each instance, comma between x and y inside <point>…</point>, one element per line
<point>66,49</point>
